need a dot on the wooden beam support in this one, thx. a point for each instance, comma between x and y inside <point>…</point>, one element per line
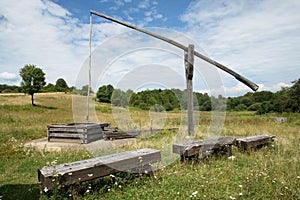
<point>189,71</point>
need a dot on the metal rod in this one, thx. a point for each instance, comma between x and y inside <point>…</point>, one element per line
<point>239,77</point>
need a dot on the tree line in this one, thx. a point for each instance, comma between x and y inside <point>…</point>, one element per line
<point>285,100</point>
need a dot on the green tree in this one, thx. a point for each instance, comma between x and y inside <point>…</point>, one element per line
<point>104,93</point>
<point>49,88</point>
<point>294,93</point>
<point>119,98</point>
<point>61,85</point>
<point>33,79</point>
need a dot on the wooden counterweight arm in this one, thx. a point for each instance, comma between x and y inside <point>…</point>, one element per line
<point>242,79</point>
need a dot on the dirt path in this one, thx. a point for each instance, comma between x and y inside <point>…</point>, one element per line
<point>42,144</point>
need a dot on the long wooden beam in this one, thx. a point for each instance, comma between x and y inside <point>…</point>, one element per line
<point>239,77</point>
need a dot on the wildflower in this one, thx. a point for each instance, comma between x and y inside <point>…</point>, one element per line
<point>90,175</point>
<point>298,176</point>
<point>232,198</point>
<point>70,195</point>
<point>54,162</point>
<point>241,194</point>
<point>87,191</point>
<point>194,194</point>
<point>240,186</point>
<point>231,158</point>
<point>111,175</point>
<point>46,189</point>
<point>70,173</point>
<point>146,172</point>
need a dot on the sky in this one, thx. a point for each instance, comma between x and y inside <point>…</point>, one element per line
<point>258,39</point>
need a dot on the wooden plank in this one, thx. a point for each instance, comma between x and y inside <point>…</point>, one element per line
<point>194,148</point>
<point>75,172</point>
<point>67,130</point>
<point>66,135</point>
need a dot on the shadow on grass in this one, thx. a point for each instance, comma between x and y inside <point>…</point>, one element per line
<point>20,191</point>
<point>46,107</point>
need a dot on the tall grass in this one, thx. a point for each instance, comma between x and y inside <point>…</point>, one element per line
<point>270,172</point>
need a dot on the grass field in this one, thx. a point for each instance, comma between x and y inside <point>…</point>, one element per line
<point>272,172</point>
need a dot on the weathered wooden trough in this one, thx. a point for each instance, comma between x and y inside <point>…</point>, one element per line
<point>254,142</point>
<point>76,132</point>
<point>195,148</point>
<point>112,133</point>
<point>137,161</point>
<point>222,144</point>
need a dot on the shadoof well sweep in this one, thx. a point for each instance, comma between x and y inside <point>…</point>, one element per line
<point>189,53</point>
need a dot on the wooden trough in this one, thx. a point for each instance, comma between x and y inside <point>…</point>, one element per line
<point>195,148</point>
<point>254,142</point>
<point>137,161</point>
<point>76,132</point>
<point>112,133</point>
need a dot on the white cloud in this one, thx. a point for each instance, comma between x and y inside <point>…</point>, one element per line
<point>240,89</point>
<point>258,39</point>
<point>144,4</point>
<point>8,76</point>
<point>47,35</point>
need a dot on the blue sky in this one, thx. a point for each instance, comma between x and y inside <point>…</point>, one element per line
<point>259,39</point>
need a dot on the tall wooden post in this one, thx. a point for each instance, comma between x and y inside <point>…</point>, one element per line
<point>90,66</point>
<point>189,72</point>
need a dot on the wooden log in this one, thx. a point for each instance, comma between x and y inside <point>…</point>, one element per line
<point>75,172</point>
<point>195,148</point>
<point>254,142</point>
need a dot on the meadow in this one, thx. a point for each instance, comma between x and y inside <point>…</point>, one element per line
<point>272,172</point>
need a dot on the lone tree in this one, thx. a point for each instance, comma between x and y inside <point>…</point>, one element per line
<point>33,79</point>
